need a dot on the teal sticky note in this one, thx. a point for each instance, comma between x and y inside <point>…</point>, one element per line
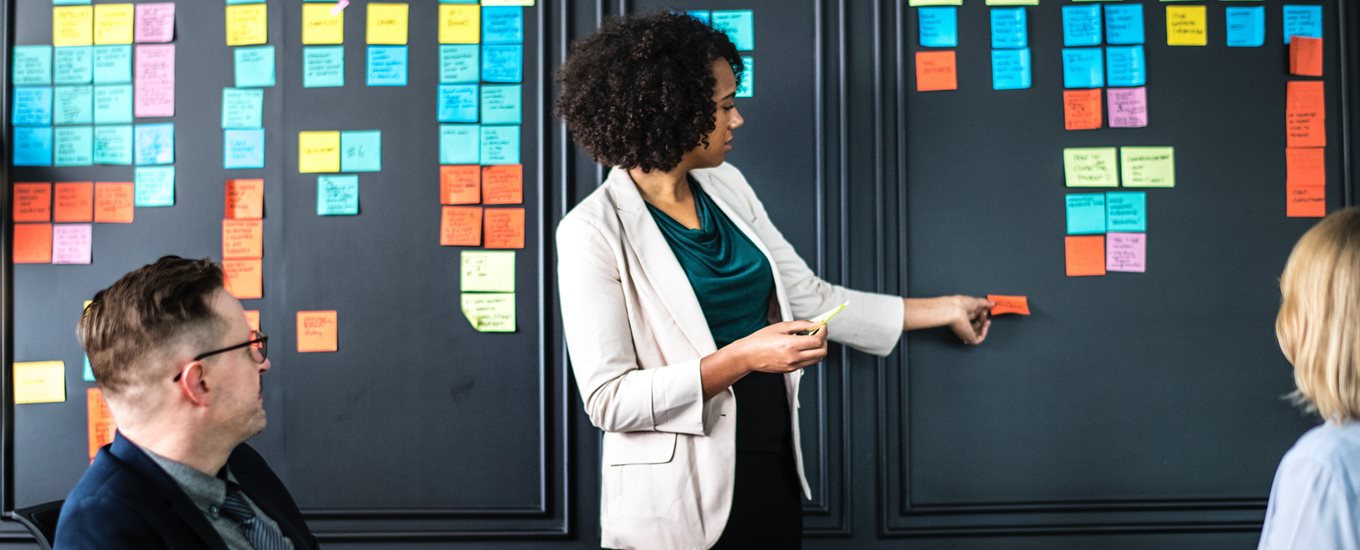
<point>323,66</point>
<point>1009,28</point>
<point>1124,24</point>
<point>702,15</point>
<point>33,146</point>
<point>32,66</point>
<point>154,143</point>
<point>113,104</point>
<point>500,145</point>
<point>32,106</point>
<point>243,148</point>
<point>1300,20</point>
<point>337,195</point>
<point>459,144</point>
<point>242,108</point>
<point>739,25</point>
<point>89,373</point>
<point>502,25</point>
<point>1083,68</point>
<point>113,145</point>
<point>112,64</point>
<point>73,65</point>
<point>1126,211</point>
<point>746,86</point>
<point>1081,25</point>
<point>1011,69</point>
<point>1124,66</point>
<point>73,105</point>
<point>1246,26</point>
<point>71,3</point>
<point>458,64</point>
<point>361,151</point>
<point>503,63</point>
<point>502,104</point>
<point>1085,213</point>
<point>153,186</point>
<point>938,26</point>
<point>73,146</point>
<point>386,66</point>
<point>457,103</point>
<point>254,66</point>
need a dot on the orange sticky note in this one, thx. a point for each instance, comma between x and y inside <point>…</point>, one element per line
<point>32,202</point>
<point>503,184</point>
<point>1085,256</point>
<point>253,319</point>
<point>245,199</point>
<point>113,202</point>
<point>1018,305</point>
<point>461,226</point>
<point>99,420</point>
<point>73,201</point>
<point>1306,201</point>
<point>1305,114</point>
<point>1082,110</point>
<point>245,278</point>
<point>1305,56</point>
<point>32,243</point>
<point>1305,167</point>
<point>242,239</point>
<point>460,184</point>
<point>504,227</point>
<point>936,71</point>
<point>317,331</point>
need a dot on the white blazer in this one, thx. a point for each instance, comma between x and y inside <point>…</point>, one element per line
<point>635,335</point>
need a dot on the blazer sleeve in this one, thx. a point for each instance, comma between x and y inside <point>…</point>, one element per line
<point>619,396</point>
<point>102,523</point>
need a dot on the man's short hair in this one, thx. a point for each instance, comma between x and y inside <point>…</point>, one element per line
<point>131,324</point>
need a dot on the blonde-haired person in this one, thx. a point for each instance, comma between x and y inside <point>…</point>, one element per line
<point>1315,501</point>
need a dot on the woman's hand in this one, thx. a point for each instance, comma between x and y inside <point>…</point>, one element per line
<point>779,348</point>
<point>973,319</point>
<point>967,316</point>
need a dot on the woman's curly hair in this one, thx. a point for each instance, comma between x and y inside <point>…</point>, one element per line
<point>639,92</point>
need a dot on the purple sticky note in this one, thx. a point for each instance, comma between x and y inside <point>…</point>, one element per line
<point>1128,107</point>
<point>71,243</point>
<point>1126,252</point>
<point>154,81</point>
<point>155,22</point>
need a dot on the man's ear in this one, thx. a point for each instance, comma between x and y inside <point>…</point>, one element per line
<point>193,385</point>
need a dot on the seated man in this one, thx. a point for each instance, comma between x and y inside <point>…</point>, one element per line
<point>181,371</point>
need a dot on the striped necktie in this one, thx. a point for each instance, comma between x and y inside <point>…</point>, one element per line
<point>261,536</point>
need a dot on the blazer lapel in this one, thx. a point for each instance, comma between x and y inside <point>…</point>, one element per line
<point>705,180</point>
<point>162,485</point>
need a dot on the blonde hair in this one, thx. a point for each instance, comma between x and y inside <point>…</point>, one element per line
<point>1319,321</point>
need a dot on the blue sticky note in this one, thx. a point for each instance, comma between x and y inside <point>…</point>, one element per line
<point>361,151</point>
<point>1124,24</point>
<point>502,104</point>
<point>337,195</point>
<point>1125,66</point>
<point>1246,26</point>
<point>154,143</point>
<point>500,145</point>
<point>702,15</point>
<point>1083,68</point>
<point>113,104</point>
<point>1081,25</point>
<point>154,186</point>
<point>502,25</point>
<point>73,105</point>
<point>503,63</point>
<point>89,373</point>
<point>457,103</point>
<point>1009,28</point>
<point>73,65</point>
<point>459,144</point>
<point>1302,20</point>
<point>1085,213</point>
<point>32,66</point>
<point>254,66</point>
<point>113,145</point>
<point>33,146</point>
<point>323,66</point>
<point>243,148</point>
<point>32,106</point>
<point>1010,69</point>
<point>74,146</point>
<point>938,26</point>
<point>458,64</point>
<point>746,83</point>
<point>1126,211</point>
<point>739,25</point>
<point>386,66</point>
<point>70,3</point>
<point>112,64</point>
<point>242,108</point>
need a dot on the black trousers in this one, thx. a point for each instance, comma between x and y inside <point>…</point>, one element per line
<point>767,504</point>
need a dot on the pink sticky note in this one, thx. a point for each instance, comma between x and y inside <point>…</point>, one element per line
<point>154,81</point>
<point>155,22</point>
<point>71,243</point>
<point>1126,252</point>
<point>1128,107</point>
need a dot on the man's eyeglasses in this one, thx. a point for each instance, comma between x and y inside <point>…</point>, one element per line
<point>258,344</point>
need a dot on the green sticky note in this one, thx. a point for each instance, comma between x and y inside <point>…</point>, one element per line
<point>113,104</point>
<point>32,66</point>
<point>337,195</point>
<point>73,65</point>
<point>242,108</point>
<point>488,271</point>
<point>113,145</point>
<point>1148,166</point>
<point>361,151</point>
<point>254,66</point>
<point>459,144</point>
<point>499,145</point>
<point>323,66</point>
<point>73,105</point>
<point>1090,167</point>
<point>501,104</point>
<point>490,312</point>
<point>458,64</point>
<point>1085,213</point>
<point>747,86</point>
<point>112,64</point>
<point>73,146</point>
<point>1126,211</point>
<point>739,26</point>
<point>154,186</point>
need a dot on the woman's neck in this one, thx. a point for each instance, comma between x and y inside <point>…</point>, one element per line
<point>659,187</point>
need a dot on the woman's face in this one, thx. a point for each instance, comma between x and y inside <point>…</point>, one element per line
<point>726,119</point>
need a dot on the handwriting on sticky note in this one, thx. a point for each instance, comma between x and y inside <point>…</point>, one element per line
<point>244,278</point>
<point>461,226</point>
<point>322,24</point>
<point>1081,109</point>
<point>32,202</point>
<point>1148,166</point>
<point>460,184</point>
<point>337,195</point>
<point>1090,167</point>
<point>39,382</point>
<point>1085,255</point>
<point>487,271</point>
<point>503,184</point>
<point>936,71</point>
<point>247,24</point>
<point>1126,211</point>
<point>32,243</point>
<point>387,23</point>
<point>242,239</point>
<point>71,243</point>
<point>504,227</point>
<point>114,201</point>
<point>490,312</point>
<point>113,23</point>
<point>1015,305</point>
<point>73,202</point>
<point>72,25</point>
<point>1126,252</point>
<point>361,151</point>
<point>459,24</point>
<point>1305,114</point>
<point>1128,107</point>
<point>318,152</point>
<point>99,423</point>
<point>1186,26</point>
<point>1305,201</point>
<point>1085,213</point>
<point>156,22</point>
<point>317,331</point>
<point>154,81</point>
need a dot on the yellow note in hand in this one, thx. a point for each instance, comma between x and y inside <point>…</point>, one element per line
<point>39,382</point>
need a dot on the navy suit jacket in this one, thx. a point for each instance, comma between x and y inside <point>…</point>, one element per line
<point>126,501</point>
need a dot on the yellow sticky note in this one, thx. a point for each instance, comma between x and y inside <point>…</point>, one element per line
<point>1090,167</point>
<point>1148,166</point>
<point>488,271</point>
<point>1186,26</point>
<point>387,23</point>
<point>113,23</point>
<point>460,24</point>
<point>39,382</point>
<point>247,24</point>
<point>72,25</point>
<point>490,312</point>
<point>318,152</point>
<point>320,27</point>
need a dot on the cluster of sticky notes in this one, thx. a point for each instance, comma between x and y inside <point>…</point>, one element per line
<point>386,36</point>
<point>462,188</point>
<point>73,206</point>
<point>1088,67</point>
<point>318,331</point>
<point>1305,126</point>
<point>488,289</point>
<point>243,136</point>
<point>1138,166</point>
<point>937,27</point>
<point>243,238</point>
<point>323,55</point>
<point>740,28</point>
<point>1107,231</point>
<point>1010,48</point>
<point>331,152</point>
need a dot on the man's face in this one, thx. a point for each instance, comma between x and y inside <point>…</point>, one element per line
<point>239,408</point>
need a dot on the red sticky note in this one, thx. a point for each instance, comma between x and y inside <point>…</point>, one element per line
<point>503,184</point>
<point>245,278</point>
<point>1085,255</point>
<point>1305,114</point>
<point>936,71</point>
<point>73,202</point>
<point>253,319</point>
<point>98,420</point>
<point>461,226</point>
<point>504,227</point>
<point>113,202</point>
<point>1081,109</point>
<point>1305,166</point>
<point>245,199</point>
<point>1018,305</point>
<point>317,331</point>
<point>32,202</point>
<point>1305,56</point>
<point>32,243</point>
<point>242,239</point>
<point>1306,201</point>
<point>461,184</point>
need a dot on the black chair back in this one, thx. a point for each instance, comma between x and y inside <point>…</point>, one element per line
<point>41,521</point>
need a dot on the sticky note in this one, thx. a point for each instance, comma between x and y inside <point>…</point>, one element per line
<point>73,65</point>
<point>1009,28</point>
<point>73,26</point>
<point>32,146</point>
<point>1126,252</point>
<point>73,201</point>
<point>1186,26</point>
<point>317,331</point>
<point>386,66</point>
<point>503,227</point>
<point>32,106</point>
<point>242,108</point>
<point>244,278</point>
<point>73,105</point>
<point>323,66</point>
<point>1245,26</point>
<point>89,376</point>
<point>746,81</point>
<point>938,27</point>
<point>154,143</point>
<point>112,64</point>
<point>738,25</point>
<point>39,382</point>
<point>1125,66</point>
<point>361,151</point>
<point>487,271</point>
<point>113,104</point>
<point>32,66</point>
<point>502,25</point>
<point>702,15</point>
<point>499,145</point>
<point>113,23</point>
<point>1085,255</point>
<point>1083,68</point>
<point>32,202</point>
<point>458,64</point>
<point>1148,166</point>
<point>254,66</point>
<point>1126,211</point>
<point>460,184</point>
<point>491,312</point>
<point>242,239</point>
<point>1010,69</point>
<point>1305,56</point>
<point>73,146</point>
<point>503,184</point>
<point>71,244</point>
<point>154,186</point>
<point>460,226</point>
<point>459,24</point>
<point>337,195</point>
<point>1090,167</point>
<point>243,148</point>
<point>459,144</point>
<point>1302,20</point>
<point>113,201</point>
<point>1305,114</point>
<point>387,23</point>
<point>253,319</point>
<point>244,199</point>
<point>113,145</point>
<point>99,422</point>
<point>154,81</point>
<point>1014,305</point>
<point>501,104</point>
<point>936,71</point>
<point>1305,201</point>
<point>32,243</point>
<point>458,102</point>
<point>247,24</point>
<point>1305,167</point>
<point>1085,213</point>
<point>318,152</point>
<point>1081,25</point>
<point>319,26</point>
<point>1124,24</point>
<point>1128,107</point>
<point>503,63</point>
<point>156,22</point>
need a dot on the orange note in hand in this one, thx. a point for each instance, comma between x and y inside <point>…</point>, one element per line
<point>1305,56</point>
<point>1085,256</point>
<point>1018,305</point>
<point>317,331</point>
